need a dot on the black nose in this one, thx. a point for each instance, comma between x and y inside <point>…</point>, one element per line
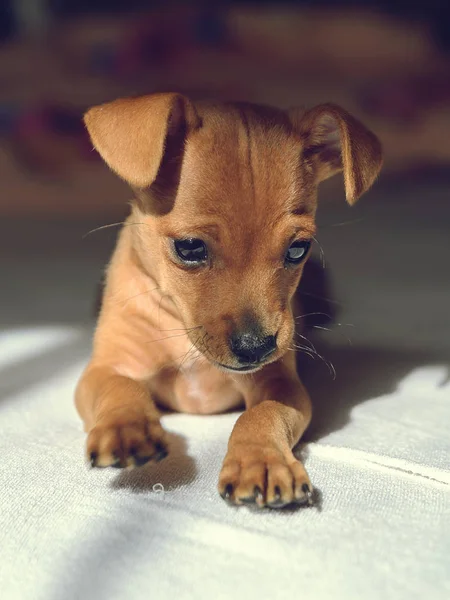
<point>251,348</point>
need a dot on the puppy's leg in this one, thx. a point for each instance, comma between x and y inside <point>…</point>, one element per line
<point>121,419</point>
<point>260,466</point>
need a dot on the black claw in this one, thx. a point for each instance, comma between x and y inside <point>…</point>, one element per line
<point>119,463</point>
<point>161,455</point>
<point>257,492</point>
<point>139,461</point>
<point>257,495</point>
<point>308,493</point>
<point>247,500</point>
<point>161,452</point>
<point>277,501</point>
<point>93,459</point>
<point>228,492</point>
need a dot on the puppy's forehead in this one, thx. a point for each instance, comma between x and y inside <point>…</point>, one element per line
<point>245,157</point>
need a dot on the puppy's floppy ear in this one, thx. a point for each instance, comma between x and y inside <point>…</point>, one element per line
<point>130,134</point>
<point>335,141</point>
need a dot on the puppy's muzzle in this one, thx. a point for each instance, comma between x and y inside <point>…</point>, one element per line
<point>251,348</point>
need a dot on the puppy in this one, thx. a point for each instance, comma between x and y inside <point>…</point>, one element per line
<point>199,309</point>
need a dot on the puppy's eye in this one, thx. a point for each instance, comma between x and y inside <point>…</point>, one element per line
<point>297,252</point>
<point>191,251</point>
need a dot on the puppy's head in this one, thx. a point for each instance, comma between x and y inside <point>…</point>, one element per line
<point>227,195</point>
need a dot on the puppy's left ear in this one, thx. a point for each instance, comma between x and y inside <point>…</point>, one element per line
<point>133,135</point>
<point>335,141</point>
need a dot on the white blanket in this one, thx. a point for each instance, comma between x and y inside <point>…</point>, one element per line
<point>379,453</point>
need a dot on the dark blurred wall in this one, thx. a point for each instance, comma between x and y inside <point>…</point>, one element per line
<point>388,62</point>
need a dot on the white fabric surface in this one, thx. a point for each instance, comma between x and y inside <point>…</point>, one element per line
<point>380,455</point>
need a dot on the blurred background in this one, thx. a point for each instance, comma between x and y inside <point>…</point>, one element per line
<point>387,62</point>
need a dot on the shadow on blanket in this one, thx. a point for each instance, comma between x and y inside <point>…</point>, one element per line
<point>177,470</point>
<point>362,374</point>
<point>40,367</point>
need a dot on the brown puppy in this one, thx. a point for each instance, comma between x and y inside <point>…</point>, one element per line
<point>198,313</point>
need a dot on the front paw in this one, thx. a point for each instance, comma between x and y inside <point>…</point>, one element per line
<point>264,476</point>
<point>125,442</point>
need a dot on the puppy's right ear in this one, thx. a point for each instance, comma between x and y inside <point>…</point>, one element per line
<point>335,141</point>
<point>131,134</point>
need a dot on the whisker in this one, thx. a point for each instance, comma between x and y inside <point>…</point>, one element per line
<point>191,352</point>
<point>108,226</point>
<point>320,327</point>
<point>183,330</point>
<point>197,358</point>
<point>186,329</point>
<point>328,363</point>
<point>311,314</point>
<point>303,350</point>
<point>204,344</point>
<point>322,254</point>
<point>346,222</point>
<point>332,370</point>
<point>194,350</point>
<point>136,295</point>
<point>308,348</point>
<point>331,330</point>
<point>168,337</point>
<point>100,228</point>
<point>306,340</point>
<point>194,358</point>
<point>319,297</point>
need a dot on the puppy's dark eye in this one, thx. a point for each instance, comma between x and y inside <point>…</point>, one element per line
<point>191,251</point>
<point>297,252</point>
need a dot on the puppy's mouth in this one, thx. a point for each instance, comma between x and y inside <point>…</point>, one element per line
<point>247,369</point>
<point>243,369</point>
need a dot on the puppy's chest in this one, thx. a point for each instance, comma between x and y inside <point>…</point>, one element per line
<point>196,389</point>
